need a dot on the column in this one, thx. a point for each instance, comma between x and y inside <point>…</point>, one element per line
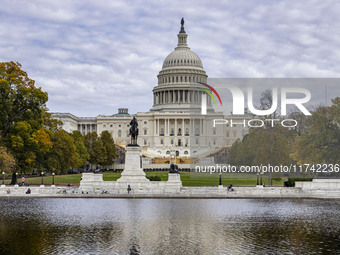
<point>168,127</point>
<point>158,129</point>
<point>154,127</point>
<point>175,127</point>
<point>183,131</point>
<point>165,126</point>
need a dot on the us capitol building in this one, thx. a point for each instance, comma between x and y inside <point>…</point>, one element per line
<point>175,122</point>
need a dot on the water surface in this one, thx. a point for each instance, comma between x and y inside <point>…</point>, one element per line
<point>169,226</point>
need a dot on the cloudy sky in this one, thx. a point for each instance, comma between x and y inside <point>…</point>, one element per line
<point>94,56</point>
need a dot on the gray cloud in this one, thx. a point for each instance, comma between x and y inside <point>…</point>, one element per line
<point>95,56</point>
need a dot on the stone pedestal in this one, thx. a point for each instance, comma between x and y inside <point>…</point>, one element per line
<point>174,183</point>
<point>133,172</point>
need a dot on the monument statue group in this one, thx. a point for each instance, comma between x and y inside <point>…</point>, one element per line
<point>133,178</point>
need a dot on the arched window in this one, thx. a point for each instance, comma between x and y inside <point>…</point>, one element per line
<point>176,78</point>
<point>186,152</point>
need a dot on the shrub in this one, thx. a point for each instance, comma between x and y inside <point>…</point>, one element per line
<point>154,178</point>
<point>292,180</point>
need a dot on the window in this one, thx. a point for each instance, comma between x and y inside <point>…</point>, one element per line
<point>119,125</point>
<point>214,131</point>
<point>145,122</point>
<point>179,131</point>
<point>186,152</point>
<point>187,131</point>
<point>119,133</point>
<point>162,141</point>
<point>145,131</point>
<point>145,142</point>
<point>197,132</point>
<point>104,125</point>
<point>196,141</point>
<point>172,131</point>
<point>228,134</point>
<point>179,122</point>
<point>186,122</point>
<point>162,131</point>
<point>172,141</point>
<point>214,141</point>
<point>186,141</point>
<point>111,133</point>
<point>167,152</point>
<point>111,125</point>
<point>172,122</point>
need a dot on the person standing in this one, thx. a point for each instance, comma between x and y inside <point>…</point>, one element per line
<point>23,180</point>
<point>128,189</point>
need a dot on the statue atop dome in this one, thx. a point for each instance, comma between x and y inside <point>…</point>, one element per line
<point>182,26</point>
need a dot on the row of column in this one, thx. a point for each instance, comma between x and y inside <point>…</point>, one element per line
<point>87,128</point>
<point>179,96</point>
<point>180,79</point>
<point>194,125</point>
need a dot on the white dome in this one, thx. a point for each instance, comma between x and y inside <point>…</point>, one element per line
<point>182,57</point>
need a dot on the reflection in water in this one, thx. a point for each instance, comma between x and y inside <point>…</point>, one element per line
<point>169,226</point>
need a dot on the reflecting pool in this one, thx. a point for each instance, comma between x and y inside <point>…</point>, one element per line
<point>169,226</point>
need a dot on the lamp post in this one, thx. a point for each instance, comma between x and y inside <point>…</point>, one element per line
<point>261,178</point>
<point>257,179</point>
<point>42,179</point>
<point>3,178</point>
<point>220,179</point>
<point>53,178</point>
<point>16,178</point>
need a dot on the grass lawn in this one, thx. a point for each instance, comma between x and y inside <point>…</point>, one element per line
<point>188,179</point>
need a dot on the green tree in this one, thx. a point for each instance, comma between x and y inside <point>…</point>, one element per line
<point>82,156</point>
<point>23,117</point>
<point>63,154</point>
<point>321,144</point>
<point>110,148</point>
<point>95,148</point>
<point>20,100</point>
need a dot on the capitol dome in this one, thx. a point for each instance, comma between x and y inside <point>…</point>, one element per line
<point>181,74</point>
<point>182,56</point>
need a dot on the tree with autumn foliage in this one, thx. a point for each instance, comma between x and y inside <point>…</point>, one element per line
<point>7,161</point>
<point>23,117</point>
